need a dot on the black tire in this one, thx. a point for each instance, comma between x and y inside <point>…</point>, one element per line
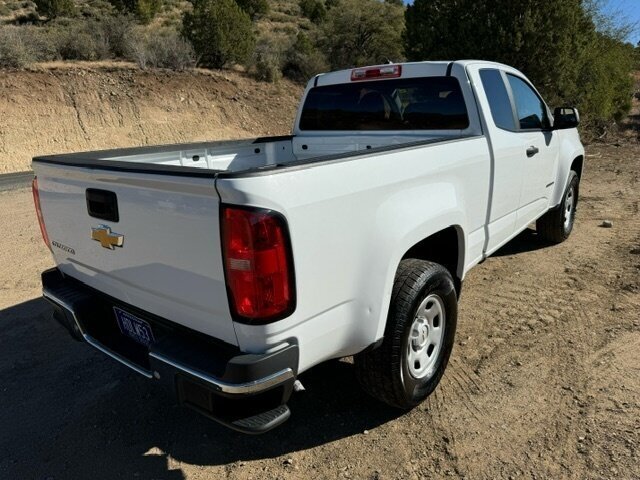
<point>383,372</point>
<point>552,226</point>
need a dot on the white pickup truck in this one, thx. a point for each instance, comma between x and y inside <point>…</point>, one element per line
<point>226,269</point>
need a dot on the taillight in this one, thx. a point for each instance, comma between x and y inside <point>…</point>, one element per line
<point>258,264</point>
<point>36,201</point>
<point>385,71</point>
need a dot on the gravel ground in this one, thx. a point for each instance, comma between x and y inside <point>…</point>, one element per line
<point>544,380</point>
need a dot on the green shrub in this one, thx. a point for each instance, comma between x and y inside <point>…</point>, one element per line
<point>144,10</point>
<point>363,32</point>
<point>162,49</point>
<point>55,8</point>
<point>561,49</point>
<point>314,10</point>
<point>605,85</point>
<point>98,10</point>
<point>28,18</point>
<point>254,8</point>
<point>303,60</point>
<point>220,31</point>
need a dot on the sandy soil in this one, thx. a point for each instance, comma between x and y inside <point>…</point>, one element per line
<point>64,107</point>
<point>544,380</point>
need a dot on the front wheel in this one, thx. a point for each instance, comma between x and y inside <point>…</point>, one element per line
<point>418,338</point>
<point>556,225</point>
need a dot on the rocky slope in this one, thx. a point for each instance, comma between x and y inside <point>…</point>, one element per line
<point>58,108</point>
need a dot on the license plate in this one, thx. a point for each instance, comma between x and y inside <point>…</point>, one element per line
<point>134,327</point>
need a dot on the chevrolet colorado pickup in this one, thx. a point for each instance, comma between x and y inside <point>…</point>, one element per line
<point>226,269</point>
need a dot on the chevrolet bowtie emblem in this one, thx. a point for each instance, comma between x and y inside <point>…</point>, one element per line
<point>106,237</point>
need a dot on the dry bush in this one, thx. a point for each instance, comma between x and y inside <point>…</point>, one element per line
<point>161,49</point>
<point>14,53</point>
<point>78,40</point>
<point>118,32</point>
<point>268,59</point>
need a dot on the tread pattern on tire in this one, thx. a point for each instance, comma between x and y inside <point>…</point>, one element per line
<point>550,226</point>
<point>375,369</point>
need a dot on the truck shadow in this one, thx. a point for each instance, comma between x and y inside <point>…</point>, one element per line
<point>70,412</point>
<point>526,241</point>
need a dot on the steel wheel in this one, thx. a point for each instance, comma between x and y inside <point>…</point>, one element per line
<point>569,209</point>
<point>556,225</point>
<point>426,337</point>
<point>418,337</point>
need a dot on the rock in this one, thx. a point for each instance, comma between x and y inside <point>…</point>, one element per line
<point>288,461</point>
<point>606,224</point>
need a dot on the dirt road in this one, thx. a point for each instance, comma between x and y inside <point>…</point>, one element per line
<point>544,380</point>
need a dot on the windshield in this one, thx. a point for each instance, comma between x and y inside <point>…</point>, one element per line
<point>431,103</point>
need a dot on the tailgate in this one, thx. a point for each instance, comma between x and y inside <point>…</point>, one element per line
<point>163,252</point>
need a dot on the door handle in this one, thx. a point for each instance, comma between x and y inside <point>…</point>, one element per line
<point>531,151</point>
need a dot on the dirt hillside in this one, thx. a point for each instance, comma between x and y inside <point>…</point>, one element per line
<point>60,108</point>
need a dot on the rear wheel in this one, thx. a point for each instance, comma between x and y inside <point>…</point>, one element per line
<point>418,339</point>
<point>556,225</point>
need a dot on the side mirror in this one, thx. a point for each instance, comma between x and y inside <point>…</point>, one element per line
<point>565,117</point>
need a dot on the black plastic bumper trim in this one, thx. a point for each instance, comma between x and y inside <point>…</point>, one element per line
<point>260,382</point>
<point>255,386</point>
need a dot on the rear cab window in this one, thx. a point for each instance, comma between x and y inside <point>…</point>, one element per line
<point>498,97</point>
<point>429,103</point>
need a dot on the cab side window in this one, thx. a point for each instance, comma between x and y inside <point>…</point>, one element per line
<point>498,98</point>
<point>531,110</point>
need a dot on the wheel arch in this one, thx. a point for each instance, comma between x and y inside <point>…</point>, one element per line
<point>571,156</point>
<point>577,165</point>
<point>445,247</point>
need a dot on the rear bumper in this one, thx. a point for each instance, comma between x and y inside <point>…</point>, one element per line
<point>246,392</point>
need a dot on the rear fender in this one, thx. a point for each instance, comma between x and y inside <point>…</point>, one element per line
<point>570,149</point>
<point>436,210</point>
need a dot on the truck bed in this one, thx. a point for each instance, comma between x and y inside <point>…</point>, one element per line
<point>209,159</point>
<point>169,261</point>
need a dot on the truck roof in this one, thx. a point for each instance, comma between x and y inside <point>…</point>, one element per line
<point>409,69</point>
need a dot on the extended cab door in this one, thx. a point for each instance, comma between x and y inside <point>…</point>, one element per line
<point>540,148</point>
<point>522,158</point>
